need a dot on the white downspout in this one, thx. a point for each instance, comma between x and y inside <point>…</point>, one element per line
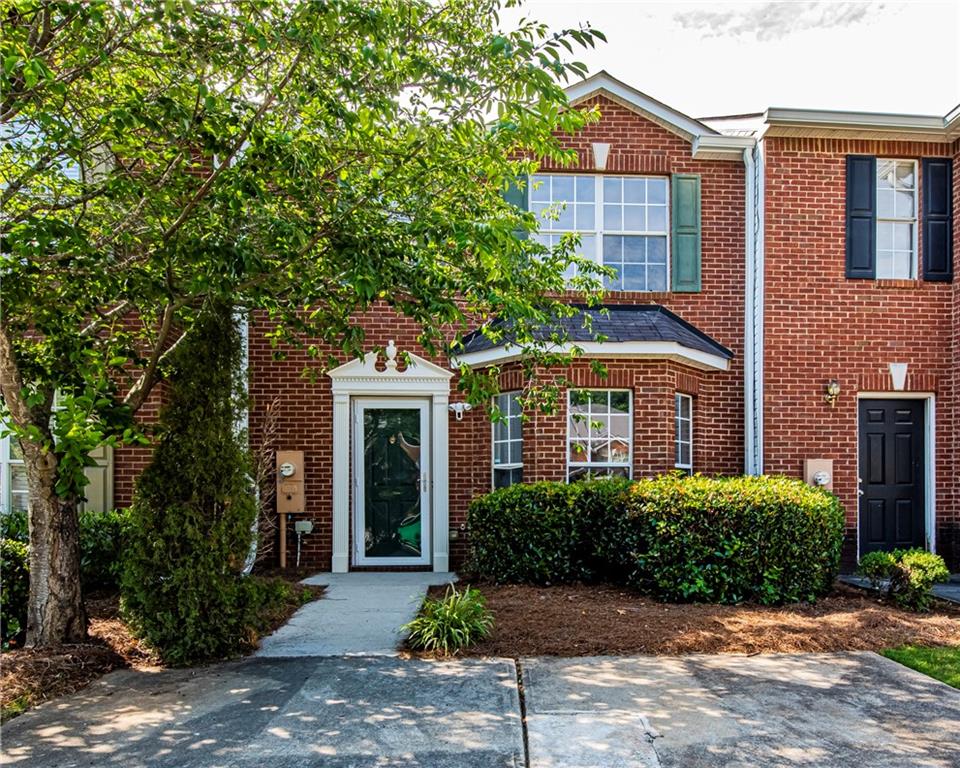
<point>753,313</point>
<point>243,424</point>
<point>749,454</point>
<point>758,318</point>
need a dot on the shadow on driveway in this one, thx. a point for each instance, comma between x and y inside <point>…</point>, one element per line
<point>334,712</point>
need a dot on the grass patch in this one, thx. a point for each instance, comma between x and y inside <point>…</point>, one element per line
<point>940,663</point>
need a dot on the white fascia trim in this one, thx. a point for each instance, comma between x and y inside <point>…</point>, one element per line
<point>934,125</point>
<point>667,350</point>
<point>722,147</point>
<point>602,81</point>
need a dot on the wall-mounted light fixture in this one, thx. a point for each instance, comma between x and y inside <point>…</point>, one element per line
<point>831,392</point>
<point>458,409</point>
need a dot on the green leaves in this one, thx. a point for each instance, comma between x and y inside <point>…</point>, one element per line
<point>447,625</point>
<point>681,539</point>
<point>301,159</point>
<point>906,575</point>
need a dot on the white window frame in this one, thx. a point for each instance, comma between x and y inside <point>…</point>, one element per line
<point>598,231</point>
<point>678,441</point>
<point>571,438</point>
<point>914,220</point>
<point>508,415</point>
<point>7,462</point>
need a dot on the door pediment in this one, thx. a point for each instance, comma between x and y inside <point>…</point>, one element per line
<point>414,374</point>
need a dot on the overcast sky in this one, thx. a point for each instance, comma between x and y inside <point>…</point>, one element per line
<point>723,58</point>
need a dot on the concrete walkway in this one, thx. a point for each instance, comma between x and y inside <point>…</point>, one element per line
<point>360,614</point>
<point>810,710</point>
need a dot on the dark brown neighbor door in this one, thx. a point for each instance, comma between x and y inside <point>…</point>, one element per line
<point>891,474</point>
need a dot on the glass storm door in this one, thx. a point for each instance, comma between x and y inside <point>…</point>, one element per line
<point>392,509</point>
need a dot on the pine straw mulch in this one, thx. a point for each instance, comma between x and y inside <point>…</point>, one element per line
<point>31,676</point>
<point>605,620</point>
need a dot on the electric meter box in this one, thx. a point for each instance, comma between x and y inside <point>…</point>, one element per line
<point>290,496</point>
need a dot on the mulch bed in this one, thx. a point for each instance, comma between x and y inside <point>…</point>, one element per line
<point>604,620</point>
<point>29,677</point>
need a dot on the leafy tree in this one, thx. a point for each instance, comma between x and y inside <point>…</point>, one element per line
<point>303,158</point>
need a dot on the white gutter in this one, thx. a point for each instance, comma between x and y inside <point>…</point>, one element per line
<point>857,120</point>
<point>669,350</point>
<point>709,147</point>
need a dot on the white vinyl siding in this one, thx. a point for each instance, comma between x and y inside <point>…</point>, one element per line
<point>896,219</point>
<point>14,493</point>
<point>508,441</point>
<point>599,433</point>
<point>623,223</point>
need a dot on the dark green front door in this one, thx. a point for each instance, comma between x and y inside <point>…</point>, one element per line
<point>392,467</point>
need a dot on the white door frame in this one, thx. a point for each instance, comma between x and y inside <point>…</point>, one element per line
<point>359,486</point>
<point>930,463</point>
<point>417,377</point>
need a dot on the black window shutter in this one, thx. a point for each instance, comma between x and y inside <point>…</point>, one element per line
<point>861,216</point>
<point>938,219</point>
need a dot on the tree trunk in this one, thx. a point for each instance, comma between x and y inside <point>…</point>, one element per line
<point>55,613</point>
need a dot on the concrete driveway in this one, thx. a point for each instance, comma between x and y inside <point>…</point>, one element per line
<point>805,710</point>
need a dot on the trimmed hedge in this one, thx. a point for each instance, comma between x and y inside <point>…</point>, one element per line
<point>101,542</point>
<point>721,540</point>
<point>14,589</point>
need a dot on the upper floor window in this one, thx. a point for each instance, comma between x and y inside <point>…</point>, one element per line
<point>599,433</point>
<point>623,223</point>
<point>896,219</point>
<point>508,441</point>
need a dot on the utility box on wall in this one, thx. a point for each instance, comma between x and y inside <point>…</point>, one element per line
<point>818,473</point>
<point>290,495</point>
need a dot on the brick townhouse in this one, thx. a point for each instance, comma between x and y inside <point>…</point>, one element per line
<point>784,303</point>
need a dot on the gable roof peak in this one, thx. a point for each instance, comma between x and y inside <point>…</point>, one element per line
<point>672,119</point>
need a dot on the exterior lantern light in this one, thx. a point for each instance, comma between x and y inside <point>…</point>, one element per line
<point>831,392</point>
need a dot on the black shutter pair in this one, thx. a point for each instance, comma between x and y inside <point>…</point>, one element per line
<point>937,221</point>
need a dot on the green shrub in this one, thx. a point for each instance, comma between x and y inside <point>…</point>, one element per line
<point>183,590</point>
<point>723,540</point>
<point>101,548</point>
<point>726,540</point>
<point>907,575</point>
<point>14,525</point>
<point>450,623</point>
<point>101,539</point>
<point>548,532</point>
<point>14,589</point>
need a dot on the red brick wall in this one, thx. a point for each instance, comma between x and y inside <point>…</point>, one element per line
<point>950,526</point>
<point>637,146</point>
<point>820,325</point>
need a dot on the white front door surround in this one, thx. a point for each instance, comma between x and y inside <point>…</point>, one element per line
<point>416,378</point>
